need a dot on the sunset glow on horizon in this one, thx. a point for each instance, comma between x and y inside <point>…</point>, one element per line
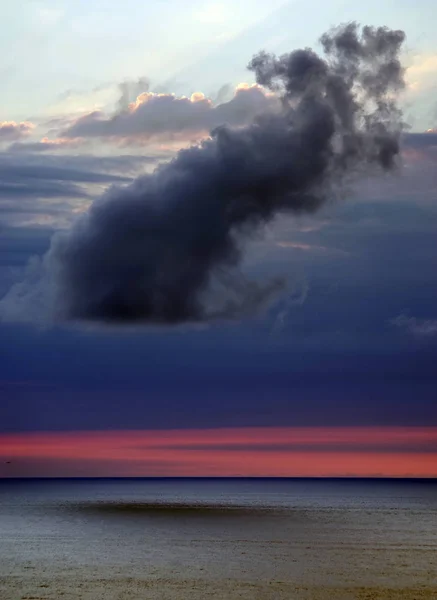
<point>244,452</point>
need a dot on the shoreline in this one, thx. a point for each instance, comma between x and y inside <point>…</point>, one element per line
<point>100,586</point>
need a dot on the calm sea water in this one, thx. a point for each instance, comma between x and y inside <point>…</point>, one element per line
<point>331,531</point>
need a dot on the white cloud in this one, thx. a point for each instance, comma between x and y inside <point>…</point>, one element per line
<point>423,328</point>
<point>422,72</point>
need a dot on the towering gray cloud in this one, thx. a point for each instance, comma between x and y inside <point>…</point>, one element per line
<point>154,251</point>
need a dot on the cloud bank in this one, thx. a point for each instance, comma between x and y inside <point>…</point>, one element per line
<point>154,251</point>
<point>44,145</point>
<point>41,187</point>
<point>165,116</point>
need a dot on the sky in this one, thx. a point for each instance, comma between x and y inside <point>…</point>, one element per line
<point>329,370</point>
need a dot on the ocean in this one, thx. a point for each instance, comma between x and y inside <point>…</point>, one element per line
<point>218,538</point>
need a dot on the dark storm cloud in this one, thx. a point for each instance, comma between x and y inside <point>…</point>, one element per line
<point>164,115</point>
<point>337,360</point>
<point>153,251</point>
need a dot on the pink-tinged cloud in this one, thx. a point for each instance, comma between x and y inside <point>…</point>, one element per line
<point>167,117</point>
<point>10,130</point>
<point>276,452</point>
<point>46,144</point>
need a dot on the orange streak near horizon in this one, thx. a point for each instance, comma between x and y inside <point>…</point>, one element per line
<point>223,452</point>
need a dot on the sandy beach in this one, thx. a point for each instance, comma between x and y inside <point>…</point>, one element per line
<point>261,542</point>
<point>94,585</point>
